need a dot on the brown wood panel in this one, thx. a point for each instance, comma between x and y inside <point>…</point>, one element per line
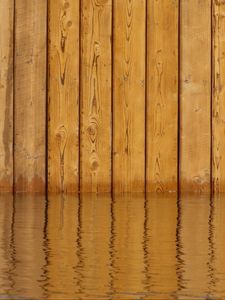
<point>30,95</point>
<point>95,127</point>
<point>162,95</point>
<point>195,95</point>
<point>218,104</point>
<point>63,96</point>
<point>6,95</point>
<point>129,95</point>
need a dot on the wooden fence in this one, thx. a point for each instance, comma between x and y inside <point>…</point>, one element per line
<point>122,95</point>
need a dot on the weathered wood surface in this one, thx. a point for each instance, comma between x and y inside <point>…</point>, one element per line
<point>95,117</point>
<point>63,96</point>
<point>30,95</point>
<point>6,95</point>
<point>218,96</point>
<point>129,95</point>
<point>195,95</point>
<point>133,97</point>
<point>162,96</point>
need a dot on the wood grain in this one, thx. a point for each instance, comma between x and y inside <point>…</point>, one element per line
<point>129,96</point>
<point>218,104</point>
<point>162,96</point>
<point>95,127</point>
<point>6,95</point>
<point>30,95</point>
<point>195,95</point>
<point>63,96</point>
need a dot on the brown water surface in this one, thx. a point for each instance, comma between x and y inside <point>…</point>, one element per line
<point>99,247</point>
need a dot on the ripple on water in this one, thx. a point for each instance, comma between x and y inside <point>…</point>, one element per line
<point>99,247</point>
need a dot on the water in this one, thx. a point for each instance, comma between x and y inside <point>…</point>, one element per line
<point>96,247</point>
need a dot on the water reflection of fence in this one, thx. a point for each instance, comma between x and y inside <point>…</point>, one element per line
<point>95,246</point>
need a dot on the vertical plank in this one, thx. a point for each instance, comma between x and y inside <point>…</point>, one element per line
<point>30,95</point>
<point>162,96</point>
<point>129,96</point>
<point>195,95</point>
<point>95,156</point>
<point>6,94</point>
<point>63,96</point>
<point>218,104</point>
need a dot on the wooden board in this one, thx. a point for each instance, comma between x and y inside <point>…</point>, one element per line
<point>95,155</point>
<point>63,96</point>
<point>195,95</point>
<point>129,96</point>
<point>6,95</point>
<point>218,104</point>
<point>162,96</point>
<point>30,95</point>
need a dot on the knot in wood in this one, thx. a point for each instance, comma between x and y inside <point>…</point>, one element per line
<point>66,5</point>
<point>61,134</point>
<point>94,165</point>
<point>100,2</point>
<point>91,130</point>
<point>97,49</point>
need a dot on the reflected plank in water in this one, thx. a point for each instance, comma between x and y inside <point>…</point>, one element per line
<point>194,241</point>
<point>128,253</point>
<point>218,245</point>
<point>61,248</point>
<point>94,246</point>
<point>125,247</point>
<point>26,256</point>
<point>6,239</point>
<point>160,248</point>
